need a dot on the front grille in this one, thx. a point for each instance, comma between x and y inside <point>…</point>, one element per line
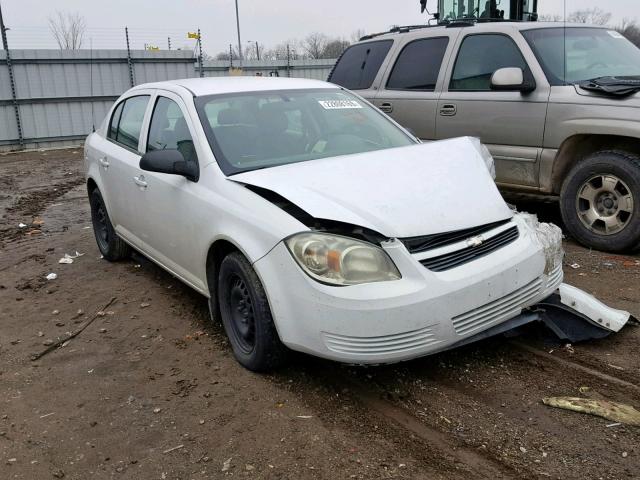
<point>387,344</point>
<point>468,254</point>
<point>555,277</point>
<point>429,242</point>
<point>503,308</point>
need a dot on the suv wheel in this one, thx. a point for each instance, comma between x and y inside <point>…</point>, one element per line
<point>600,201</point>
<point>246,316</point>
<point>112,247</point>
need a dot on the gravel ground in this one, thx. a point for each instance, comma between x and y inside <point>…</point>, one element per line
<point>150,390</point>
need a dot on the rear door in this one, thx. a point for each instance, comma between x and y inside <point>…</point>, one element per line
<point>119,164</point>
<point>359,68</point>
<point>410,89</point>
<point>511,124</point>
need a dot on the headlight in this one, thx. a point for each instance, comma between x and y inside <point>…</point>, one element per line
<point>340,260</point>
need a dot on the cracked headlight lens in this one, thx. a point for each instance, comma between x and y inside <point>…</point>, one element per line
<point>340,260</point>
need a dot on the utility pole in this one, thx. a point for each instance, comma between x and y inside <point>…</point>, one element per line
<point>129,59</point>
<point>257,51</point>
<point>238,26</point>
<point>12,80</point>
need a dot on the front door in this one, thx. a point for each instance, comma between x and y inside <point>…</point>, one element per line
<point>168,231</point>
<point>511,124</point>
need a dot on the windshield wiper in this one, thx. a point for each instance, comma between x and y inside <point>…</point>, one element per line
<point>617,86</point>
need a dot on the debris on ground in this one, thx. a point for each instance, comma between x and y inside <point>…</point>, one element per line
<point>616,412</point>
<point>68,259</point>
<point>226,465</point>
<point>169,450</point>
<point>51,276</point>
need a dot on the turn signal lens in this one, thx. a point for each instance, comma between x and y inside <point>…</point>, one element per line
<point>341,260</point>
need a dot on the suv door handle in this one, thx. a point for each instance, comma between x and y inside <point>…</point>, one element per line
<point>448,110</point>
<point>386,107</point>
<point>104,162</point>
<point>140,181</point>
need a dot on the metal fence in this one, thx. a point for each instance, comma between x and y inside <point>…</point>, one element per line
<point>56,96</point>
<point>302,68</point>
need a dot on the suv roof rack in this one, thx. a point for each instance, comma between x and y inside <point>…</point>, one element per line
<point>399,29</point>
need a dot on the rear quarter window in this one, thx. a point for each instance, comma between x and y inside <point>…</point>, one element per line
<point>358,66</point>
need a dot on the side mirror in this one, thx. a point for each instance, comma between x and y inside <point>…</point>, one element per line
<point>170,162</point>
<point>511,79</point>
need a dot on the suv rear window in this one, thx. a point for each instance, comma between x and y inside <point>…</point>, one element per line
<point>358,66</point>
<point>418,65</point>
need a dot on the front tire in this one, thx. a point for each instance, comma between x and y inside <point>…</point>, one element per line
<point>246,316</point>
<point>112,247</point>
<point>600,201</point>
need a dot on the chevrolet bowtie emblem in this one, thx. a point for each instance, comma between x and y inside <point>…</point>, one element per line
<point>475,241</point>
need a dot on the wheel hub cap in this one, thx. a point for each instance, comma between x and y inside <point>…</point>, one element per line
<point>605,204</point>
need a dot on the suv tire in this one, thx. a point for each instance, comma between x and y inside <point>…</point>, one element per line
<point>111,246</point>
<point>246,316</point>
<point>600,201</point>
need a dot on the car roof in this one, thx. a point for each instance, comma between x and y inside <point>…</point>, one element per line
<point>419,31</point>
<point>236,84</point>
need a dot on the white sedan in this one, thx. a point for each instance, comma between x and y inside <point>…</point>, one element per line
<point>313,222</point>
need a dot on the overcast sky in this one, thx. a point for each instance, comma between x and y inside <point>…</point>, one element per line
<point>269,22</point>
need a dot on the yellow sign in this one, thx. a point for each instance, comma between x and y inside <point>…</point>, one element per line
<point>193,35</point>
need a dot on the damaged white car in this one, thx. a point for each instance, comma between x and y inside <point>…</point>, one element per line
<point>313,222</point>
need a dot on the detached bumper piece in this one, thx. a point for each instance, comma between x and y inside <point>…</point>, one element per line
<point>570,313</point>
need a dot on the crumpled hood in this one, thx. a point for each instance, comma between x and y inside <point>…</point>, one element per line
<point>401,192</point>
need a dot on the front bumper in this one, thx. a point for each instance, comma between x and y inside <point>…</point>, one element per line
<point>423,313</point>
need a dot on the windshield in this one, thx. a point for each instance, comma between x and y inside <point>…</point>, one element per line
<point>249,131</point>
<point>590,53</point>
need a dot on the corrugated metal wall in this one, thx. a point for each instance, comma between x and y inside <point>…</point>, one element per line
<point>314,69</point>
<point>57,89</point>
<point>62,94</point>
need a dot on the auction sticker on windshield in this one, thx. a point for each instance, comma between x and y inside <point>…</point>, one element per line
<point>615,34</point>
<point>339,104</point>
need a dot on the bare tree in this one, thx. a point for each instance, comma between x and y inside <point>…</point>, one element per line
<point>334,48</point>
<point>595,16</point>
<point>631,30</point>
<point>550,17</point>
<point>356,35</point>
<point>68,29</point>
<point>314,45</point>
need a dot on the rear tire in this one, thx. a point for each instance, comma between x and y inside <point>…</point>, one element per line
<point>600,201</point>
<point>246,316</point>
<point>112,247</point>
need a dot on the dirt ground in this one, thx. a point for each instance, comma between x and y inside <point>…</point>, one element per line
<point>150,389</point>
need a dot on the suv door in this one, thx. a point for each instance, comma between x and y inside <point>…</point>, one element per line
<point>359,66</point>
<point>510,123</point>
<point>119,164</point>
<point>410,91</point>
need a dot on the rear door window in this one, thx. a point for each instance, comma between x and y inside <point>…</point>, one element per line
<point>358,66</point>
<point>479,57</point>
<point>418,65</point>
<point>129,116</point>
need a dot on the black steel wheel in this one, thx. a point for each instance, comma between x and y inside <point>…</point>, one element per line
<point>246,316</point>
<point>112,247</point>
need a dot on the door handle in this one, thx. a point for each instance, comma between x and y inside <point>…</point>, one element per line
<point>386,107</point>
<point>140,181</point>
<point>104,162</point>
<point>448,110</point>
